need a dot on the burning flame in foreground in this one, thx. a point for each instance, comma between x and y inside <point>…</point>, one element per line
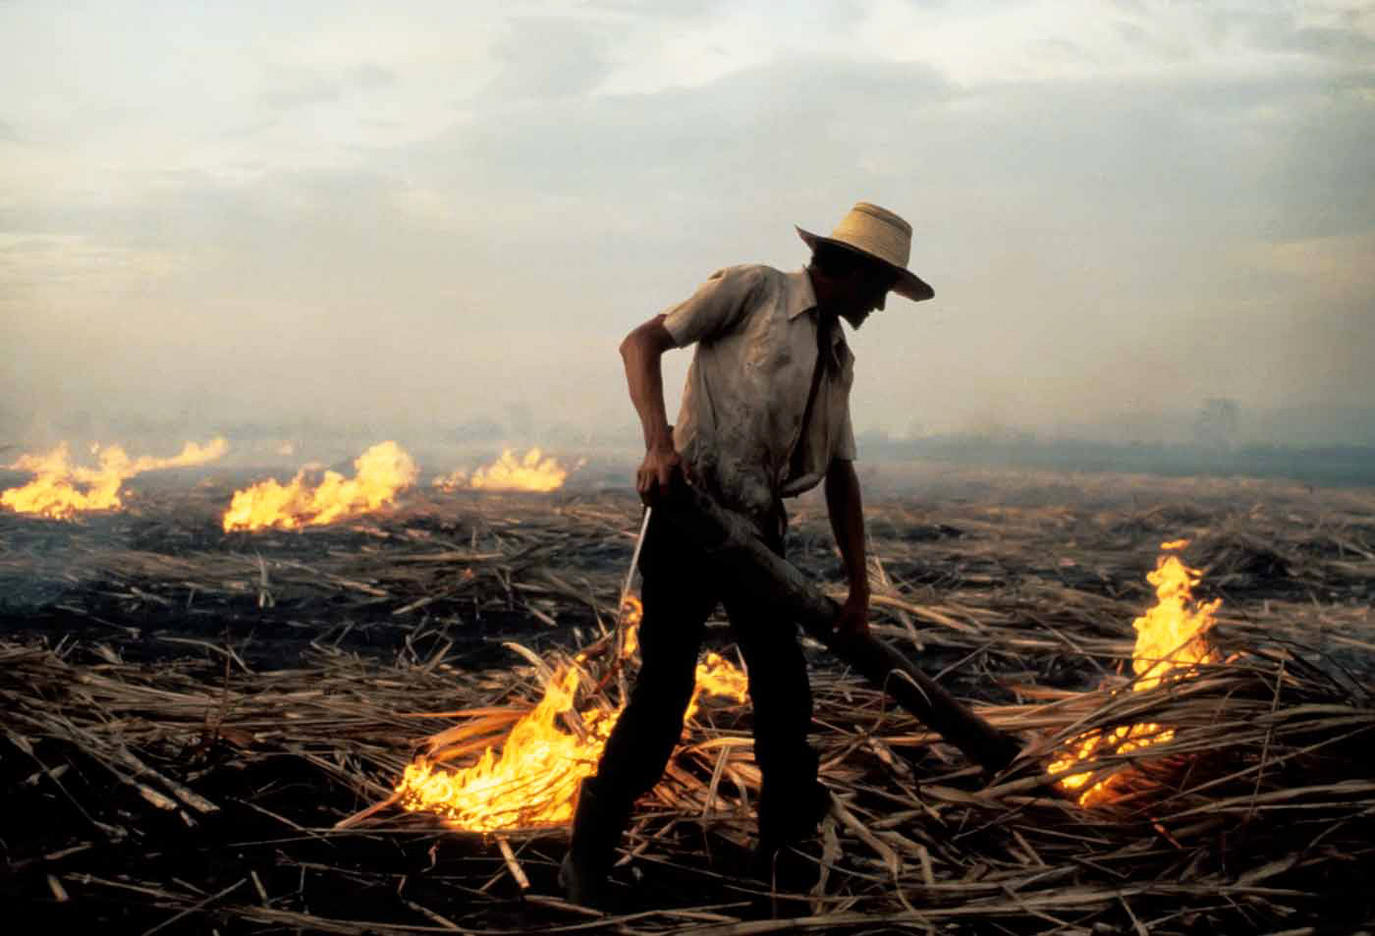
<point>531,472</point>
<point>1169,641</point>
<point>380,473</point>
<point>533,781</point>
<point>61,490</point>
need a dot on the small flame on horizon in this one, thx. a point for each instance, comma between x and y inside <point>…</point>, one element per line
<point>380,473</point>
<point>61,490</point>
<point>532,471</point>
<point>1170,640</point>
<point>533,781</point>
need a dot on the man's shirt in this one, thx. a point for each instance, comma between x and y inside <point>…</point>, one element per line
<point>747,389</point>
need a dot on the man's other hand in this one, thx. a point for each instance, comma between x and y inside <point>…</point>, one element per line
<point>656,472</point>
<point>853,621</point>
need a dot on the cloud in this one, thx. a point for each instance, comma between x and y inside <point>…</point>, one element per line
<point>1333,269</point>
<point>548,58</point>
<point>1081,40</point>
<point>46,263</point>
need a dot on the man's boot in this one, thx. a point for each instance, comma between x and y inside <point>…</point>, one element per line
<point>784,869</point>
<point>777,861</point>
<point>597,826</point>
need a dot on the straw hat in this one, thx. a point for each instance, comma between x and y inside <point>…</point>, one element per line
<point>880,234</point>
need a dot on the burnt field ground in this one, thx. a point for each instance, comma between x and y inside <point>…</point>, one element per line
<point>189,715</point>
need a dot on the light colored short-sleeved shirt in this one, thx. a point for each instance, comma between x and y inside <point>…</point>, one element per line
<point>747,388</point>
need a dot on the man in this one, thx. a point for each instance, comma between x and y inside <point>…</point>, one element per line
<point>765,415</point>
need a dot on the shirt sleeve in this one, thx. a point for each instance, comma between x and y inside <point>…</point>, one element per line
<point>716,308</point>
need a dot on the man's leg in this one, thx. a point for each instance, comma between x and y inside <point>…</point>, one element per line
<point>675,612</point>
<point>678,597</point>
<point>791,800</point>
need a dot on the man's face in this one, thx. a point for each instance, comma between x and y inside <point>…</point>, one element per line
<point>866,291</point>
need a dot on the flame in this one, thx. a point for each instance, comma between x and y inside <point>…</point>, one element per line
<point>61,490</point>
<point>380,473</point>
<point>452,482</point>
<point>632,610</point>
<point>1170,640</point>
<point>530,472</point>
<point>533,781</point>
<point>718,676</point>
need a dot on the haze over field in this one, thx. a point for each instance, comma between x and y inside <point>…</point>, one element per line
<point>447,215</point>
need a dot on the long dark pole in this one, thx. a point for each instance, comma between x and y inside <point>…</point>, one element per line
<point>741,556</point>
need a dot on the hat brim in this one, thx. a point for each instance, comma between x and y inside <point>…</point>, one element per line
<point>909,285</point>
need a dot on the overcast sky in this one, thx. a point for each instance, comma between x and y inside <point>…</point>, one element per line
<point>444,210</point>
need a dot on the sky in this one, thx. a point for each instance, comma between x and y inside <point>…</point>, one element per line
<point>438,213</point>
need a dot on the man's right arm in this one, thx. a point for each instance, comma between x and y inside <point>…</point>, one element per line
<point>713,310</point>
<point>641,352</point>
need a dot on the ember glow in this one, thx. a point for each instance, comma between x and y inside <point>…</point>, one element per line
<point>62,490</point>
<point>532,471</point>
<point>1170,641</point>
<point>533,780</point>
<point>380,474</point>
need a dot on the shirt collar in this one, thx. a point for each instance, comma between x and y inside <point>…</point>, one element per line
<point>801,296</point>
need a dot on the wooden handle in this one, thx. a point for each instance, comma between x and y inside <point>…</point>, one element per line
<point>740,556</point>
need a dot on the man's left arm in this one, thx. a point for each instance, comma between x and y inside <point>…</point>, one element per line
<point>846,511</point>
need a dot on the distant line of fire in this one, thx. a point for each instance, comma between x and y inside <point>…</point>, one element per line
<point>61,489</point>
<point>532,472</point>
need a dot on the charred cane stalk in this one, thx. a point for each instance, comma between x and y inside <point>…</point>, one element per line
<point>741,557</point>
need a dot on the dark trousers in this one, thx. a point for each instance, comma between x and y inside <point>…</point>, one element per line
<point>679,593</point>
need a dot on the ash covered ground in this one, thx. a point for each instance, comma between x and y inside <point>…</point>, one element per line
<point>189,713</point>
